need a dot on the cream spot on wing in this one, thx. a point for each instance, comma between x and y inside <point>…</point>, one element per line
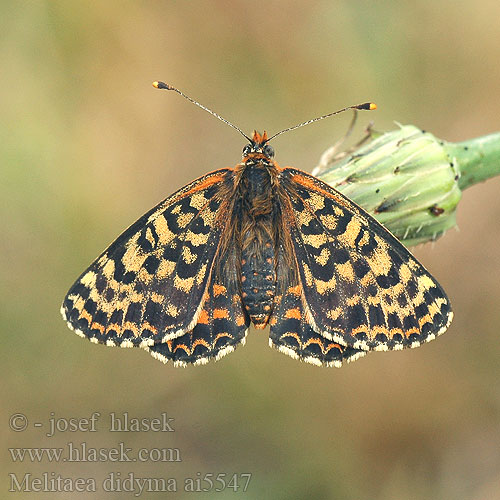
<point>188,256</point>
<point>365,238</point>
<point>307,274</point>
<point>334,314</point>
<point>150,237</point>
<point>348,237</point>
<point>165,236</point>
<point>166,268</point>
<point>425,282</point>
<point>338,211</point>
<point>329,221</point>
<point>404,273</point>
<point>89,279</point>
<point>109,269</point>
<point>196,239</point>
<point>184,284</point>
<point>304,217</point>
<point>172,310</point>
<point>315,240</point>
<point>133,258</point>
<point>325,286</point>
<point>156,297</point>
<point>346,271</point>
<point>198,200</point>
<point>352,301</point>
<point>201,274</point>
<point>184,219</point>
<point>323,257</point>
<point>144,276</point>
<point>316,201</point>
<point>208,217</point>
<point>379,261</point>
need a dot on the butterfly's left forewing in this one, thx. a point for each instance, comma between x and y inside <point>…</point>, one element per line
<point>149,286</point>
<point>360,286</point>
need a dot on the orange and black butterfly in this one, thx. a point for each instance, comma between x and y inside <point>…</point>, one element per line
<point>257,244</point>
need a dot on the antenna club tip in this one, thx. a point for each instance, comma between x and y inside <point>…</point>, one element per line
<point>369,106</point>
<point>161,85</point>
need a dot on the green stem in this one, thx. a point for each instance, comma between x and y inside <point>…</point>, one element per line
<point>478,159</point>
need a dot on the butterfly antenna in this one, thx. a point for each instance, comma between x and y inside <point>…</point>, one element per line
<point>162,85</point>
<point>367,106</point>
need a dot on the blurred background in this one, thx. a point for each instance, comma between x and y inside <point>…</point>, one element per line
<point>87,146</point>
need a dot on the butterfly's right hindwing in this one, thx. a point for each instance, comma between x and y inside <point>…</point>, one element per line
<point>292,334</point>
<point>149,285</point>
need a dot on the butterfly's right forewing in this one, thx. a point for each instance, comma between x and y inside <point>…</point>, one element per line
<point>150,284</point>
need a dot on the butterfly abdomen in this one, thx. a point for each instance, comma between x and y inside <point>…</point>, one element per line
<point>258,284</point>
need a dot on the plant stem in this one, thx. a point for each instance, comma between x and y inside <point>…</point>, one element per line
<point>479,159</point>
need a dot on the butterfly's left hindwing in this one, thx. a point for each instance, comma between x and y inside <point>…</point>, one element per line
<point>360,286</point>
<point>150,284</point>
<point>222,326</point>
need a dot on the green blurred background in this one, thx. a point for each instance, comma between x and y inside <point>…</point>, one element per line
<point>87,146</point>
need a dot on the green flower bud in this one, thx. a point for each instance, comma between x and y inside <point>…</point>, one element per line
<point>410,180</point>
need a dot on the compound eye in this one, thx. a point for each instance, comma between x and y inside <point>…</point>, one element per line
<point>247,150</point>
<point>268,151</point>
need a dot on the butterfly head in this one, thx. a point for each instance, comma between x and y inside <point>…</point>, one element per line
<point>258,145</point>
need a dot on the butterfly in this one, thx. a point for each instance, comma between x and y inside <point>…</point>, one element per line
<point>258,244</point>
